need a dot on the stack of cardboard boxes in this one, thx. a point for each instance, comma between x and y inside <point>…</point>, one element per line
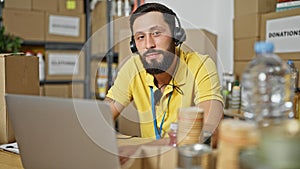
<point>247,26</point>
<point>257,20</point>
<point>18,75</point>
<point>283,29</point>
<point>55,21</point>
<point>45,20</point>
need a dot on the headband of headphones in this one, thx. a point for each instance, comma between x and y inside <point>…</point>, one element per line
<point>179,35</point>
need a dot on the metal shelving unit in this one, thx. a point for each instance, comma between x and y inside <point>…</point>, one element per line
<point>71,46</point>
<point>87,76</point>
<point>55,45</point>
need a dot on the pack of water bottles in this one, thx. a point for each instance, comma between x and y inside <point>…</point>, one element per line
<point>267,87</point>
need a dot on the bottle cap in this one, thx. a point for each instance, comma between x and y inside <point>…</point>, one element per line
<point>39,54</point>
<point>264,47</point>
<point>290,62</point>
<point>173,126</point>
<point>28,53</point>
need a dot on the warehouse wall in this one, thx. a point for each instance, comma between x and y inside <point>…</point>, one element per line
<point>213,15</point>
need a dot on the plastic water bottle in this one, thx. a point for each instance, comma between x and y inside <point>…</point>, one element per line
<point>173,134</point>
<point>41,66</point>
<point>266,87</point>
<point>294,73</point>
<point>235,99</point>
<point>127,8</point>
<point>294,80</point>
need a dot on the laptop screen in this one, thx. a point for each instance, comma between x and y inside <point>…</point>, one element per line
<point>61,133</point>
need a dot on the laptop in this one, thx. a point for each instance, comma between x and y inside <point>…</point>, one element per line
<point>60,133</point>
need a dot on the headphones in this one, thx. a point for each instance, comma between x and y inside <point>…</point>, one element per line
<point>179,35</point>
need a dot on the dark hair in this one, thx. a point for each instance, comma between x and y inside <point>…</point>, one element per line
<point>169,15</point>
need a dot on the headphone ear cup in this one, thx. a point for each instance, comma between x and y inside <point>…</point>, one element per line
<point>132,46</point>
<point>179,35</point>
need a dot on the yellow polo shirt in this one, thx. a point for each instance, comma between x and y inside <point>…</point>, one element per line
<point>196,80</point>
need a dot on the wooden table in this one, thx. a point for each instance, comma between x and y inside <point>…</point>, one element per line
<point>10,160</point>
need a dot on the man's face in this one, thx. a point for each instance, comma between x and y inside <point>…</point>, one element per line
<point>154,41</point>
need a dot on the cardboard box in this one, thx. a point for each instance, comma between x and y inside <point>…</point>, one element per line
<point>247,26</point>
<point>63,27</point>
<point>64,65</point>
<point>18,75</point>
<point>246,7</point>
<point>244,48</point>
<point>45,5</point>
<point>99,29</point>
<point>18,4</point>
<point>201,41</point>
<point>282,28</point>
<point>57,90</point>
<point>93,75</point>
<point>76,90</point>
<point>121,24</point>
<point>42,90</point>
<point>239,68</point>
<point>29,25</point>
<point>71,6</point>
<point>64,90</point>
<point>98,42</point>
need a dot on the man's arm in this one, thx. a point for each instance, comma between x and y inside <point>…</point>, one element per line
<point>213,114</point>
<point>115,107</point>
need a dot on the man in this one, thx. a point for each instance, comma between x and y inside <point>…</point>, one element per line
<point>160,78</point>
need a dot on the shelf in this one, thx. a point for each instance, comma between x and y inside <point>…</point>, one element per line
<point>60,81</point>
<point>55,45</point>
<point>102,56</point>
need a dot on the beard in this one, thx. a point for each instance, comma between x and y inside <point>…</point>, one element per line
<point>155,67</point>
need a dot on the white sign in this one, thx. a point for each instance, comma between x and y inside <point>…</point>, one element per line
<point>284,33</point>
<point>64,25</point>
<point>63,64</point>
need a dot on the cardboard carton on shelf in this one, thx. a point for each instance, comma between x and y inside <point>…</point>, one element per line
<point>45,5</point>
<point>28,25</point>
<point>240,67</point>
<point>246,7</point>
<point>247,26</point>
<point>65,27</point>
<point>244,48</point>
<point>64,90</point>
<point>64,65</point>
<point>76,90</point>
<point>56,90</point>
<point>18,75</point>
<point>18,4</point>
<point>282,29</point>
<point>71,6</point>
<point>201,41</point>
